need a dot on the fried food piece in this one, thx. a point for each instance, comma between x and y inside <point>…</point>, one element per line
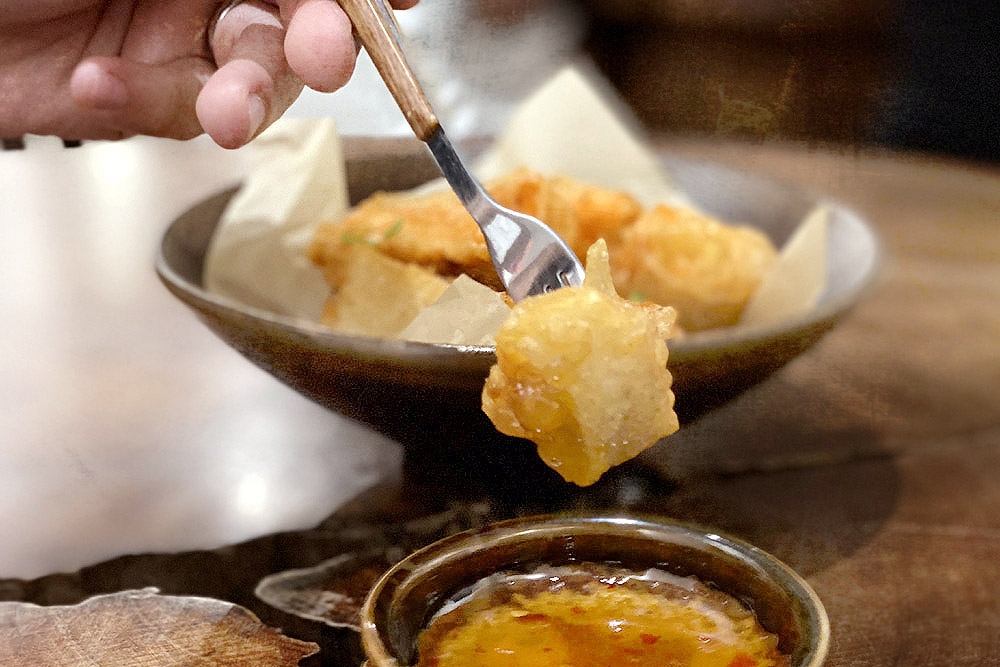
<point>583,373</point>
<point>580,213</point>
<point>705,269</point>
<point>432,230</point>
<point>435,231</point>
<point>376,295</point>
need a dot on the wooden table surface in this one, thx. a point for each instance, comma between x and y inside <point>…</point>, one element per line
<point>136,446</point>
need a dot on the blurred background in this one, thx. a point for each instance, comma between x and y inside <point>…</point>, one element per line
<point>915,74</point>
<point>911,74</point>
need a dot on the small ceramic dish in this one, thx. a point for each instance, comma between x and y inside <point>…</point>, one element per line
<point>405,598</point>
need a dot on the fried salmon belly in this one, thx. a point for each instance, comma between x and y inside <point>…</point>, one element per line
<point>583,373</point>
<point>434,230</point>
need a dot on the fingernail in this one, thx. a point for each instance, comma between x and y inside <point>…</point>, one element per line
<point>257,112</point>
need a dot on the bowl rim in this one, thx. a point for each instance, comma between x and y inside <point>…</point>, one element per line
<point>459,545</point>
<point>693,346</point>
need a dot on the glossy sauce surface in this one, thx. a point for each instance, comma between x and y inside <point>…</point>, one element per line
<point>597,617</point>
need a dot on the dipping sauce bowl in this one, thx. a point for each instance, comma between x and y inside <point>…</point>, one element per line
<point>407,597</point>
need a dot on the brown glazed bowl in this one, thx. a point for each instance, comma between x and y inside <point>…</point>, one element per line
<point>404,600</point>
<point>425,393</point>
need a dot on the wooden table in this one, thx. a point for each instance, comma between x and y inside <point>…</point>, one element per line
<point>137,447</point>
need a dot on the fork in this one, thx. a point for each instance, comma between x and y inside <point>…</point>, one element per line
<point>529,256</point>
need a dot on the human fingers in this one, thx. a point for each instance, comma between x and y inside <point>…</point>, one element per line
<point>229,88</point>
<point>119,98</point>
<point>320,44</point>
<point>262,67</point>
<point>254,84</point>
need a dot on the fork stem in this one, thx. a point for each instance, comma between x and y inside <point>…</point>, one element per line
<point>376,27</point>
<point>470,191</point>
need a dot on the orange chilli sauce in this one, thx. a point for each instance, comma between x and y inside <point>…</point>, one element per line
<point>593,616</point>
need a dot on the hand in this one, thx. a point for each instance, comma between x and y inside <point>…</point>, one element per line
<point>108,69</point>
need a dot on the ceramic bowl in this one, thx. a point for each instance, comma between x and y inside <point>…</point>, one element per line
<point>425,393</point>
<point>406,597</point>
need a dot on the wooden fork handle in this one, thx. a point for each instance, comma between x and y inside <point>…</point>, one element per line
<point>377,32</point>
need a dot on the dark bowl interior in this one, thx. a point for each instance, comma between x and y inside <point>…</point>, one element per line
<point>409,594</point>
<point>429,395</point>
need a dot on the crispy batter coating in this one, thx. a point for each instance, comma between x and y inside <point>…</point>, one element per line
<point>704,268</point>
<point>580,213</point>
<point>429,229</point>
<point>435,231</point>
<point>583,373</point>
<point>707,270</point>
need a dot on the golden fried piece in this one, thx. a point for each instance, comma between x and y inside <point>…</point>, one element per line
<point>705,269</point>
<point>580,213</point>
<point>375,295</point>
<point>430,229</point>
<point>435,231</point>
<point>583,373</point>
